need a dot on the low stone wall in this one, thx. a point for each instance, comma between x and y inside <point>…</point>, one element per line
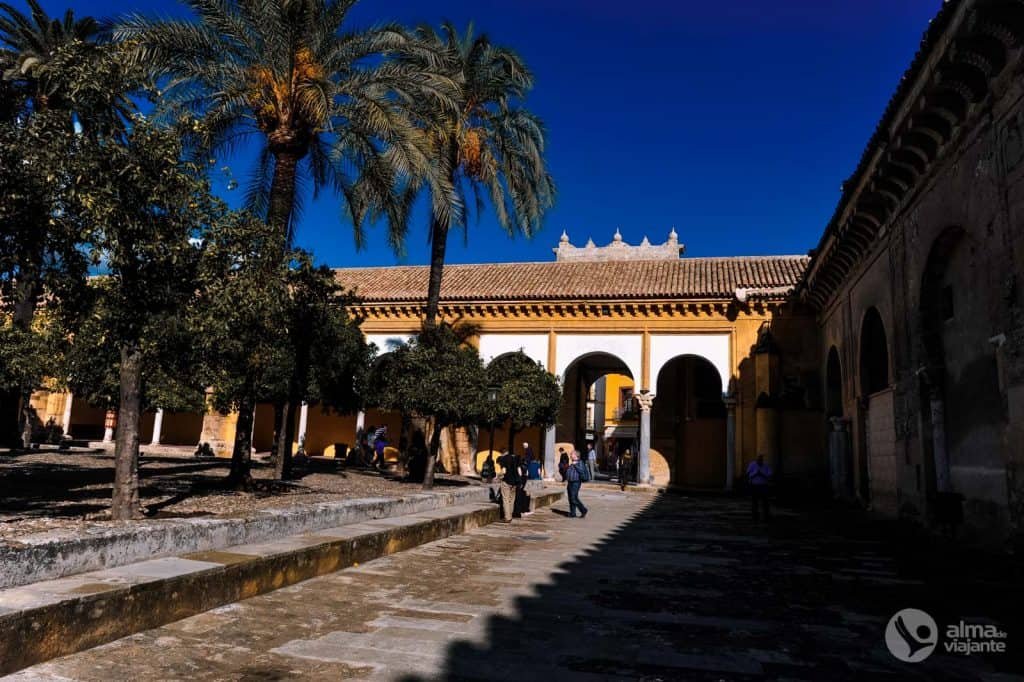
<point>60,617</point>
<point>54,555</point>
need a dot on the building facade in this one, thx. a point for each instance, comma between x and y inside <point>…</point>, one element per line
<point>887,367</point>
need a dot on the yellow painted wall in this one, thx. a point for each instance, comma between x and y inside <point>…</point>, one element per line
<point>324,429</point>
<point>181,428</point>
<point>533,436</point>
<point>614,383</point>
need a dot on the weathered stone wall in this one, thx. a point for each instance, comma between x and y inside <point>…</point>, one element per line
<point>946,275</point>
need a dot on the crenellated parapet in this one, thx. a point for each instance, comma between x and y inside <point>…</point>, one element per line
<point>619,250</point>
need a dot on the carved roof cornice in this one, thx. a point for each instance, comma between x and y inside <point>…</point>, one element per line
<point>968,46</point>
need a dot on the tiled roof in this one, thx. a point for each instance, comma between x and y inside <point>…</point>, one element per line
<point>687,278</point>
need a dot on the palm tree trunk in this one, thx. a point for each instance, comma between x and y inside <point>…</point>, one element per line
<point>282,192</point>
<point>125,502</point>
<point>241,455</point>
<point>438,246</point>
<point>435,447</point>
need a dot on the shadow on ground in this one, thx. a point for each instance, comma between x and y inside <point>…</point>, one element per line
<point>690,589</point>
<point>82,485</point>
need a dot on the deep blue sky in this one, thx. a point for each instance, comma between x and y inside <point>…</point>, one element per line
<point>735,121</point>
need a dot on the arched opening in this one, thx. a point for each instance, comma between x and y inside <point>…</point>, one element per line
<point>878,465</point>
<point>598,408</point>
<point>688,422</point>
<point>833,384</point>
<point>874,354</point>
<point>961,401</point>
<point>494,439</point>
<point>840,449</point>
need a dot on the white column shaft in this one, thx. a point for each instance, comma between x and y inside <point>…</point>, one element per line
<point>158,423</point>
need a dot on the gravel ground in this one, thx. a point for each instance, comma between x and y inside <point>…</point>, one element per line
<point>57,491</point>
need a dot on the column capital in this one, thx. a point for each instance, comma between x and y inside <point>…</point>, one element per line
<point>839,423</point>
<point>645,401</point>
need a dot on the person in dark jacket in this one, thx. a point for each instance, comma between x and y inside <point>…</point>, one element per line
<point>563,462</point>
<point>574,477</point>
<point>509,485</point>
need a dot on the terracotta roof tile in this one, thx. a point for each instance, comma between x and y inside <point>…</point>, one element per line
<point>687,278</point>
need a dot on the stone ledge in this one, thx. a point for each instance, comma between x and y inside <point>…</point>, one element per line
<point>47,556</point>
<point>60,617</point>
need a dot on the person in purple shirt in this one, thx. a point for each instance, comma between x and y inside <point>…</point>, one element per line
<point>759,477</point>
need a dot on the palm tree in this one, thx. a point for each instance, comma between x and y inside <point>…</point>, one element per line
<point>489,145</point>
<point>327,105</point>
<point>323,102</point>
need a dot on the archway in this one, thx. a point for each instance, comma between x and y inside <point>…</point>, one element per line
<point>840,449</point>
<point>874,353</point>
<point>598,407</point>
<point>833,384</point>
<point>961,401</point>
<point>879,470</point>
<point>494,439</point>
<point>688,422</point>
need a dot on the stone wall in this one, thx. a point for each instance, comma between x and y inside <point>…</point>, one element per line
<point>946,275</point>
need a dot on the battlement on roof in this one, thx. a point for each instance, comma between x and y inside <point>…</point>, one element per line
<point>619,250</point>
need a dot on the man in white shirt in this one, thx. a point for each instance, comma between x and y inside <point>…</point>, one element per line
<point>759,476</point>
<point>592,461</point>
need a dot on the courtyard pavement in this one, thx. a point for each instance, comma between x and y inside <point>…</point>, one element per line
<point>653,587</point>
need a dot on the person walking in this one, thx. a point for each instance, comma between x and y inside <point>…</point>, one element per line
<point>575,475</point>
<point>625,467</point>
<point>379,443</point>
<point>759,477</point>
<point>509,484</point>
<point>487,471</point>
<point>592,460</point>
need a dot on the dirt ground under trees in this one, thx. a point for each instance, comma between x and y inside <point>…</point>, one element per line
<point>51,490</point>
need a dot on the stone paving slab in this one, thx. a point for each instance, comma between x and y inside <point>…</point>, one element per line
<point>58,617</point>
<point>624,594</point>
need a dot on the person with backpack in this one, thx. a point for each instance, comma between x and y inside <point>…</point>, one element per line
<point>509,484</point>
<point>575,475</point>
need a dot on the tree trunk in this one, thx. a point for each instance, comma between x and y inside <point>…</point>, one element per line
<point>125,503</point>
<point>241,455</point>
<point>512,439</point>
<point>16,412</point>
<point>438,246</point>
<point>283,456</point>
<point>435,447</point>
<point>282,191</point>
<point>278,431</point>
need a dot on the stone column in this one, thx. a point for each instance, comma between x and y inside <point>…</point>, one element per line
<point>645,400</point>
<point>65,424</point>
<point>300,433</point>
<point>730,441</point>
<point>838,442</point>
<point>158,422</point>
<point>550,465</point>
<point>109,425</point>
<point>940,453</point>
